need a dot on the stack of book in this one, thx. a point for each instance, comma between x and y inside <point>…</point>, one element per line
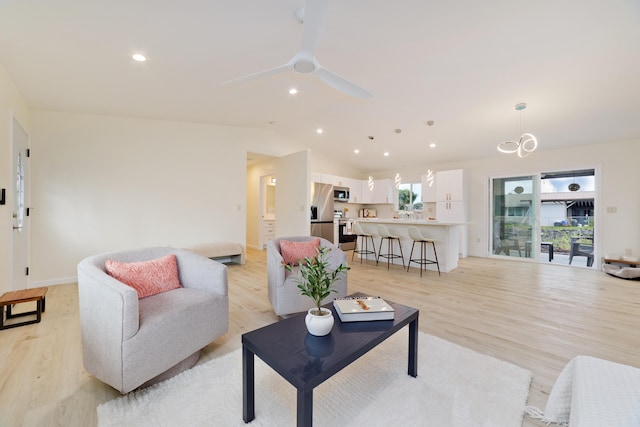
<point>358,309</point>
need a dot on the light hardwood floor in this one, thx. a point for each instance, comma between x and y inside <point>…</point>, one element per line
<point>537,316</point>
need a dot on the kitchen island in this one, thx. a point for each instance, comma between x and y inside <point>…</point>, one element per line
<point>444,233</point>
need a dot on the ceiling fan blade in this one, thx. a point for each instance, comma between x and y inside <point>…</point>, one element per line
<point>341,84</point>
<point>314,17</point>
<point>258,75</point>
<point>315,14</point>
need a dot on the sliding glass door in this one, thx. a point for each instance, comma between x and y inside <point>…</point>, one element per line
<point>514,217</point>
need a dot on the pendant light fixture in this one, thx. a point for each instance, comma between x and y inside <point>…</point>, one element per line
<point>527,142</point>
<point>574,186</point>
<point>432,143</point>
<point>398,178</point>
<point>431,176</point>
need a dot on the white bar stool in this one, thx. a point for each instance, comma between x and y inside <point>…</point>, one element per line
<point>384,234</point>
<point>417,237</point>
<point>364,239</point>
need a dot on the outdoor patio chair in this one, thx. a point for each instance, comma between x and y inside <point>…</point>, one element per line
<point>581,249</point>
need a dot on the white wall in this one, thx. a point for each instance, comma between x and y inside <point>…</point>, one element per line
<point>11,102</point>
<point>293,195</point>
<point>318,161</point>
<point>105,183</point>
<point>617,177</point>
<point>328,165</point>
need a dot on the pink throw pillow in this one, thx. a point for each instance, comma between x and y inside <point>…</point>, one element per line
<point>294,252</point>
<point>147,277</point>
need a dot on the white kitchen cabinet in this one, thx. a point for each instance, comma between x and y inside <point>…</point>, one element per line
<point>429,187</point>
<point>450,203</point>
<point>450,185</point>
<point>367,194</point>
<point>383,191</point>
<point>355,190</point>
<point>268,231</point>
<point>315,177</point>
<point>339,181</point>
<point>450,211</point>
<point>322,178</point>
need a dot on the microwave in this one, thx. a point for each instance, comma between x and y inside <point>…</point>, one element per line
<point>340,194</point>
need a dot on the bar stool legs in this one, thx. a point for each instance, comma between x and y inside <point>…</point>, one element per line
<point>417,237</point>
<point>389,255</point>
<point>364,239</point>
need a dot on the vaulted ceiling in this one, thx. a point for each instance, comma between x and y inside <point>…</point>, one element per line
<point>464,64</point>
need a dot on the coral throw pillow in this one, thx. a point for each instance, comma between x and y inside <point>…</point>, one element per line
<point>294,252</point>
<point>147,277</point>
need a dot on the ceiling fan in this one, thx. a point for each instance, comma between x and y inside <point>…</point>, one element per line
<point>315,13</point>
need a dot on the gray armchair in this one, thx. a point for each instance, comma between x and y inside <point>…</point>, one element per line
<point>129,342</point>
<point>284,294</point>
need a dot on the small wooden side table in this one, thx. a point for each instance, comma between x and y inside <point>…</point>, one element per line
<point>18,297</point>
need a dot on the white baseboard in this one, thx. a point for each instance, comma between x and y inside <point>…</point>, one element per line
<point>53,282</point>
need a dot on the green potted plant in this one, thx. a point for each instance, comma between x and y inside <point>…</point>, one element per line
<point>316,282</point>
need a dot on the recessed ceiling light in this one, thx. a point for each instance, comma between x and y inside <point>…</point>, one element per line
<point>138,57</point>
<point>356,151</point>
<point>293,91</point>
<point>386,154</point>
<point>319,131</point>
<point>432,145</point>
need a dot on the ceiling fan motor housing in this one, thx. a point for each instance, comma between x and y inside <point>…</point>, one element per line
<point>304,66</point>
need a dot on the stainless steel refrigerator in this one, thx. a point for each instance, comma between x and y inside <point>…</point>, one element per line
<point>322,211</point>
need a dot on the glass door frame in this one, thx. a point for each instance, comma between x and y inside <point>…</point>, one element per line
<point>530,249</point>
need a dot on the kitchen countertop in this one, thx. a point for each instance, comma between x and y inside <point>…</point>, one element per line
<point>445,234</point>
<point>407,221</point>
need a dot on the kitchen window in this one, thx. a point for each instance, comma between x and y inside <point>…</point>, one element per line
<point>410,196</point>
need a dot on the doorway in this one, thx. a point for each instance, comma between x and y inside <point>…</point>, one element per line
<point>20,212</point>
<point>548,217</point>
<point>567,215</point>
<point>267,209</point>
<point>291,204</point>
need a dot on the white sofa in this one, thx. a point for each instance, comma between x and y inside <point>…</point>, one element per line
<point>593,392</point>
<point>283,291</point>
<point>129,342</point>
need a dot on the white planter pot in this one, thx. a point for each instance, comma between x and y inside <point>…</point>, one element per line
<point>319,325</point>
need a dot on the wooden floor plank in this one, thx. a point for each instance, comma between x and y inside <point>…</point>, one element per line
<point>535,315</point>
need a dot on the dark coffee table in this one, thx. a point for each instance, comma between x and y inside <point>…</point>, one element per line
<point>307,361</point>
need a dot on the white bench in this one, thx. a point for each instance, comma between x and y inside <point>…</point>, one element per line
<point>220,251</point>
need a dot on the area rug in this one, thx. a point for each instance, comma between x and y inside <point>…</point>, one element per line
<point>455,387</point>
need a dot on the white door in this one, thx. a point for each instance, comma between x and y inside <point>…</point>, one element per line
<point>514,212</point>
<point>292,195</point>
<point>20,234</point>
